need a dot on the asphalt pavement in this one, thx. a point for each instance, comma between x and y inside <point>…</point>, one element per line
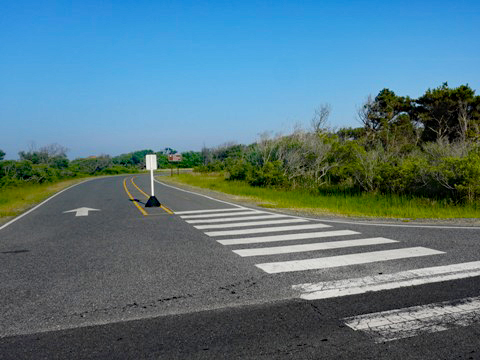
<point>93,273</point>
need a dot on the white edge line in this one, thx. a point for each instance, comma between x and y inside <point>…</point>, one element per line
<point>394,225</point>
<point>194,193</point>
<point>338,221</point>
<point>207,211</point>
<point>43,202</point>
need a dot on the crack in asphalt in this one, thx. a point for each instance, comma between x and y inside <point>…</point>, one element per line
<point>133,305</point>
<point>231,289</point>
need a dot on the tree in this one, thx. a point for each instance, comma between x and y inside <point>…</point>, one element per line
<point>387,120</point>
<point>449,113</point>
<point>2,154</point>
<point>49,154</point>
<point>168,151</point>
<point>349,133</point>
<point>191,159</point>
<point>320,118</point>
<point>136,158</point>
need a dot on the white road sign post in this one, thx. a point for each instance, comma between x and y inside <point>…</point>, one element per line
<point>151,164</point>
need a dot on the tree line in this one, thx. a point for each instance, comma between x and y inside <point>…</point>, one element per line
<point>50,163</point>
<point>426,147</point>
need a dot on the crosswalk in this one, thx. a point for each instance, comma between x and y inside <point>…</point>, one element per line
<point>250,227</point>
<point>254,228</point>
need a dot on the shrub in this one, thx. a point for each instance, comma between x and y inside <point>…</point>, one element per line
<point>270,174</point>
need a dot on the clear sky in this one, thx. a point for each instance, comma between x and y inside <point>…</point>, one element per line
<point>117,76</point>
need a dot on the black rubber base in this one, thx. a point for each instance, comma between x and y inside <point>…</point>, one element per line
<point>152,202</point>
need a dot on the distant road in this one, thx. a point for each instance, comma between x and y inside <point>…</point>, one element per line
<point>92,273</point>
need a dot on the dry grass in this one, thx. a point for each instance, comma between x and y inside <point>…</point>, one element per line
<point>15,200</point>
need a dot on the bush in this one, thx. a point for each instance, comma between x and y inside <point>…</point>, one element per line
<point>237,169</point>
<point>270,174</point>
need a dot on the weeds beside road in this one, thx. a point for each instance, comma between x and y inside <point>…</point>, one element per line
<point>362,205</point>
<point>16,200</point>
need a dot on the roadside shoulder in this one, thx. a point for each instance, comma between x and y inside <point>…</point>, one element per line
<point>324,215</point>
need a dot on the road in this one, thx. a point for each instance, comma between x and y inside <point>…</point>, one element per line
<point>203,278</point>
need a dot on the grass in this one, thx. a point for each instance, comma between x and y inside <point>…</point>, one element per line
<point>370,205</point>
<point>15,200</point>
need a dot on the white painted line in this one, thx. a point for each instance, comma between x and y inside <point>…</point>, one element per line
<point>266,230</point>
<point>208,211</point>
<point>368,223</point>
<point>43,202</point>
<point>194,193</point>
<point>346,260</point>
<point>250,223</point>
<point>346,287</point>
<point>340,221</point>
<point>416,320</point>
<point>312,247</point>
<point>256,217</point>
<point>287,237</point>
<point>249,212</point>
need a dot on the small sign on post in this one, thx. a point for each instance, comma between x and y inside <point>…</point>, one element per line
<point>175,157</point>
<point>151,164</point>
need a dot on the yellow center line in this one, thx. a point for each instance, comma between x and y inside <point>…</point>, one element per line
<point>132,198</point>
<point>143,192</point>
<point>167,209</point>
<point>147,196</point>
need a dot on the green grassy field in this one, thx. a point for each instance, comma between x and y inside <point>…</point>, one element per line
<point>15,200</point>
<point>385,206</point>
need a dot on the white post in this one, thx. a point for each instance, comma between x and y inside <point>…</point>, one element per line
<point>151,181</point>
<point>151,164</point>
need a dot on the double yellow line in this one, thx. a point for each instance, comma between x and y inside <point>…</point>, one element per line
<point>142,210</point>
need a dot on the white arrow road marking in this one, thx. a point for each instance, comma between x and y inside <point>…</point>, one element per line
<point>83,211</point>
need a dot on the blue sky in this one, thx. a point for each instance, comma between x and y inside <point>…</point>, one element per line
<point>117,76</point>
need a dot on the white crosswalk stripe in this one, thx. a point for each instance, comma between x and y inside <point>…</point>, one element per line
<point>346,260</point>
<point>208,211</point>
<point>242,218</point>
<point>213,215</point>
<point>287,237</point>
<point>329,289</point>
<point>266,230</point>
<point>250,223</point>
<point>312,247</point>
<point>412,321</point>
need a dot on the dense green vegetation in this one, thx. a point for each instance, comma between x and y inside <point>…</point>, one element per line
<point>424,148</point>
<point>190,159</point>
<point>50,164</point>
<point>362,204</point>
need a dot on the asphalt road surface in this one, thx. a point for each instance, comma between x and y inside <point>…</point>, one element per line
<point>203,278</point>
